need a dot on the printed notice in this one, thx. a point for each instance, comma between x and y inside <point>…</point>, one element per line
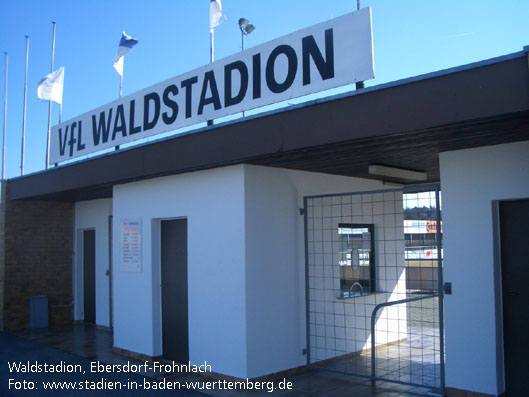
<point>130,245</point>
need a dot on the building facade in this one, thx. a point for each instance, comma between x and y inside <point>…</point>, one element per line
<point>204,247</point>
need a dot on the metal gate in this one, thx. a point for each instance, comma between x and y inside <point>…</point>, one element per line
<point>374,285</point>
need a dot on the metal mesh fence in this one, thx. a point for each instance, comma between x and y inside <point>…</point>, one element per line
<point>365,253</point>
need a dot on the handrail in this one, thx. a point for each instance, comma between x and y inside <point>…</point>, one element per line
<point>373,321</point>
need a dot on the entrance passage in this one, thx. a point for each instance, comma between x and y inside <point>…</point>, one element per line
<point>89,275</point>
<point>514,237</point>
<point>175,336</point>
<point>374,270</point>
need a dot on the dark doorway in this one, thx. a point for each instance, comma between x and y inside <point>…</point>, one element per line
<point>89,275</point>
<point>174,290</point>
<point>109,272</point>
<point>514,238</point>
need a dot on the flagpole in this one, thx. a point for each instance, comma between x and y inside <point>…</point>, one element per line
<point>49,101</point>
<point>121,77</point>
<point>122,60</point>
<point>360,84</point>
<point>215,12</point>
<point>5,125</point>
<point>212,45</point>
<point>211,55</point>
<point>125,44</point>
<point>24,111</point>
<point>60,116</point>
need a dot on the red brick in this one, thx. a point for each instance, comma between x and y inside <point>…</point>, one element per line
<point>36,247</point>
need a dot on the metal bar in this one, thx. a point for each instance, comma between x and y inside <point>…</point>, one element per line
<point>211,45</point>
<point>52,46</point>
<point>122,60</point>
<point>111,312</point>
<point>307,289</point>
<point>24,110</point>
<point>440,288</point>
<point>242,49</point>
<point>121,78</point>
<point>360,84</point>
<point>211,58</point>
<point>50,101</point>
<point>413,189</point>
<point>373,323</point>
<point>5,125</point>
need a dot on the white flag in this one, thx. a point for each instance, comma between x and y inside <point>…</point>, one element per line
<point>215,14</point>
<point>125,44</point>
<point>51,86</point>
<point>118,65</point>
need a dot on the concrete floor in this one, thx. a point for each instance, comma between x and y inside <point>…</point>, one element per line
<point>95,343</point>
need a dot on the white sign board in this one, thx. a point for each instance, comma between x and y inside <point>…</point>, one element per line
<point>130,245</point>
<point>332,54</point>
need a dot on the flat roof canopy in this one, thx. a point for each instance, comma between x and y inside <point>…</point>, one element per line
<point>405,124</point>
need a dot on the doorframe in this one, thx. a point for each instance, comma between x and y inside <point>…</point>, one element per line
<point>156,257</point>
<point>93,215</point>
<point>498,293</point>
<point>78,273</point>
<point>80,256</point>
<point>110,270</point>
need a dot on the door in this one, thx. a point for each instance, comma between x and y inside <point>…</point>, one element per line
<point>109,273</point>
<point>514,238</point>
<point>174,290</point>
<point>89,275</point>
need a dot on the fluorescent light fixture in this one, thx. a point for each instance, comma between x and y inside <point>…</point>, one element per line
<point>393,172</point>
<point>392,184</point>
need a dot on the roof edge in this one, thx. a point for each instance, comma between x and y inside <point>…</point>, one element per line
<point>348,94</point>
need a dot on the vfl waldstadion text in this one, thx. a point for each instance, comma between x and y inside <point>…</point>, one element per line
<point>95,381</point>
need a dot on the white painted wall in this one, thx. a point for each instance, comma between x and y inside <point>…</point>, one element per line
<point>246,264</point>
<point>471,179</point>
<point>93,215</point>
<point>275,261</point>
<point>213,203</point>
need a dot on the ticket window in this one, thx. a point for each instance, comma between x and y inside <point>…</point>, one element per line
<point>356,259</point>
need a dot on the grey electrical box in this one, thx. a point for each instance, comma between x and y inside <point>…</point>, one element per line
<point>38,311</point>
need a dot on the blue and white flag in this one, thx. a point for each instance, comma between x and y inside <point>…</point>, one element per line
<point>215,14</point>
<point>125,44</point>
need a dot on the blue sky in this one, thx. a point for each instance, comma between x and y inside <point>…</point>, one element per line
<point>411,37</point>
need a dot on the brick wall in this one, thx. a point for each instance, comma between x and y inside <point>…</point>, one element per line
<point>37,260</point>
